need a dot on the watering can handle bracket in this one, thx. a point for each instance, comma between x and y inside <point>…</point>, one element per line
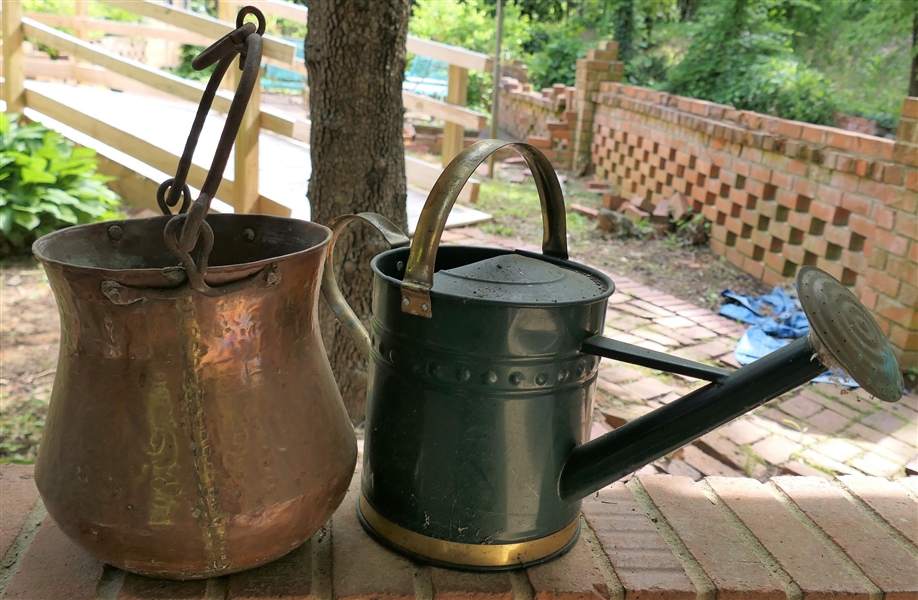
<point>330,290</point>
<point>419,269</point>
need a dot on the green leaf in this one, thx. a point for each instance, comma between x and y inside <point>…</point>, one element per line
<point>59,197</point>
<point>83,152</point>
<point>26,220</point>
<point>6,218</point>
<point>35,176</point>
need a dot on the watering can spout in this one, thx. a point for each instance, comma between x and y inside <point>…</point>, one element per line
<point>843,336</point>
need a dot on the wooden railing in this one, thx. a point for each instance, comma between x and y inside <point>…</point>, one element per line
<point>187,27</point>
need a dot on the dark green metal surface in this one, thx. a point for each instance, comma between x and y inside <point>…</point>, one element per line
<point>471,414</point>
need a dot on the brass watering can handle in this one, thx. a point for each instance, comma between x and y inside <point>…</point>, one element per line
<point>420,267</point>
<point>247,42</point>
<point>330,289</point>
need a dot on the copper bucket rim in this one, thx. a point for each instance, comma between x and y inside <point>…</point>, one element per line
<point>39,247</point>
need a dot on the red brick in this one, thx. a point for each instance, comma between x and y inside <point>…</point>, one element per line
<point>458,585</point>
<point>800,552</point>
<point>715,544</point>
<point>135,587</point>
<point>18,496</point>
<point>288,577</point>
<point>883,283</point>
<point>828,421</point>
<point>643,561</point>
<point>574,576</point>
<point>856,203</point>
<point>361,567</point>
<point>839,139</point>
<point>881,558</point>
<point>706,464</point>
<point>54,567</point>
<point>743,431</point>
<point>775,449</point>
<point>907,225</point>
<point>888,500</point>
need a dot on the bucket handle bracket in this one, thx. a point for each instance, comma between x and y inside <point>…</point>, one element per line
<point>123,295</point>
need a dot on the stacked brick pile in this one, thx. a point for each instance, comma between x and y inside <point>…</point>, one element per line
<point>601,65</point>
<point>780,194</point>
<point>540,118</point>
<point>559,119</point>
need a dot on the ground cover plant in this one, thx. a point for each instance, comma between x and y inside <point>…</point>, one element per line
<point>47,183</point>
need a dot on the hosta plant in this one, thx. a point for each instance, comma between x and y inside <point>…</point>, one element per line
<point>46,183</point>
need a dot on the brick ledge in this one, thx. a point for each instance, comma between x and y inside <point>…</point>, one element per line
<point>655,536</point>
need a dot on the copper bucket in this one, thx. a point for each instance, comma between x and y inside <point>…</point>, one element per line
<point>195,428</point>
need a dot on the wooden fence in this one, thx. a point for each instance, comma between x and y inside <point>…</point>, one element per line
<point>95,65</point>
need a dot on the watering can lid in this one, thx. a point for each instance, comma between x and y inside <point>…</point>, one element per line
<point>515,279</point>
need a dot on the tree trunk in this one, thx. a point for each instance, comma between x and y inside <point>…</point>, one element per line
<point>355,59</point>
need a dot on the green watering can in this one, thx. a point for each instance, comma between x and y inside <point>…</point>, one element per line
<point>483,366</point>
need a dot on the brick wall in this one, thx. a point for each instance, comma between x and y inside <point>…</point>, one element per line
<point>559,119</point>
<point>779,194</point>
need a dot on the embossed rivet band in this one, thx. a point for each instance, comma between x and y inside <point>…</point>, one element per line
<point>472,555</point>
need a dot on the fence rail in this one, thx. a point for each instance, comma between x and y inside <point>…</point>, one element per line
<point>191,28</point>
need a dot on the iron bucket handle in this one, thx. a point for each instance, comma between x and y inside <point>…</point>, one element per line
<point>245,40</point>
<point>419,269</point>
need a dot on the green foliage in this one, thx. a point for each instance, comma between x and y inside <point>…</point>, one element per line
<point>557,46</point>
<point>187,53</point>
<point>865,48</point>
<point>47,184</point>
<point>741,55</point>
<point>22,431</point>
<point>472,25</point>
<point>692,229</point>
<point>100,10</point>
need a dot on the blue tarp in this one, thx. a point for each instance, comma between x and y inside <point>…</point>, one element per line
<point>775,320</point>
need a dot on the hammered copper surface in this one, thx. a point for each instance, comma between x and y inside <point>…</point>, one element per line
<point>191,435</point>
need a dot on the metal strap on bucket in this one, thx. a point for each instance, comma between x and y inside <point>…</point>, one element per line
<point>186,228</point>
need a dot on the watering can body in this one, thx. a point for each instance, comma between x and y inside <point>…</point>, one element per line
<point>476,411</point>
<point>483,367</point>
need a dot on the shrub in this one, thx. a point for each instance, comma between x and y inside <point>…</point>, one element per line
<point>47,184</point>
<point>558,46</point>
<point>741,57</point>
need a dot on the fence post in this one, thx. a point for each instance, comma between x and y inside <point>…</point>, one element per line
<point>245,159</point>
<point>454,134</point>
<point>13,57</point>
<point>226,11</point>
<point>245,165</point>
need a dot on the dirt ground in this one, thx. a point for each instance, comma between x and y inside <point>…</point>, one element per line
<point>29,335</point>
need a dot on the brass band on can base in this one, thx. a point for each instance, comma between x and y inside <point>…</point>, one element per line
<point>470,556</point>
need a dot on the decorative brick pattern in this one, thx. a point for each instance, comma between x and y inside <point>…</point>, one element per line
<point>666,538</point>
<point>779,194</point>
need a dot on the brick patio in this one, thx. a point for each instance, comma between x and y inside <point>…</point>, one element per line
<point>656,536</point>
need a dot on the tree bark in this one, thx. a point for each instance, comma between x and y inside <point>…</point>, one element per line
<point>355,60</point>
